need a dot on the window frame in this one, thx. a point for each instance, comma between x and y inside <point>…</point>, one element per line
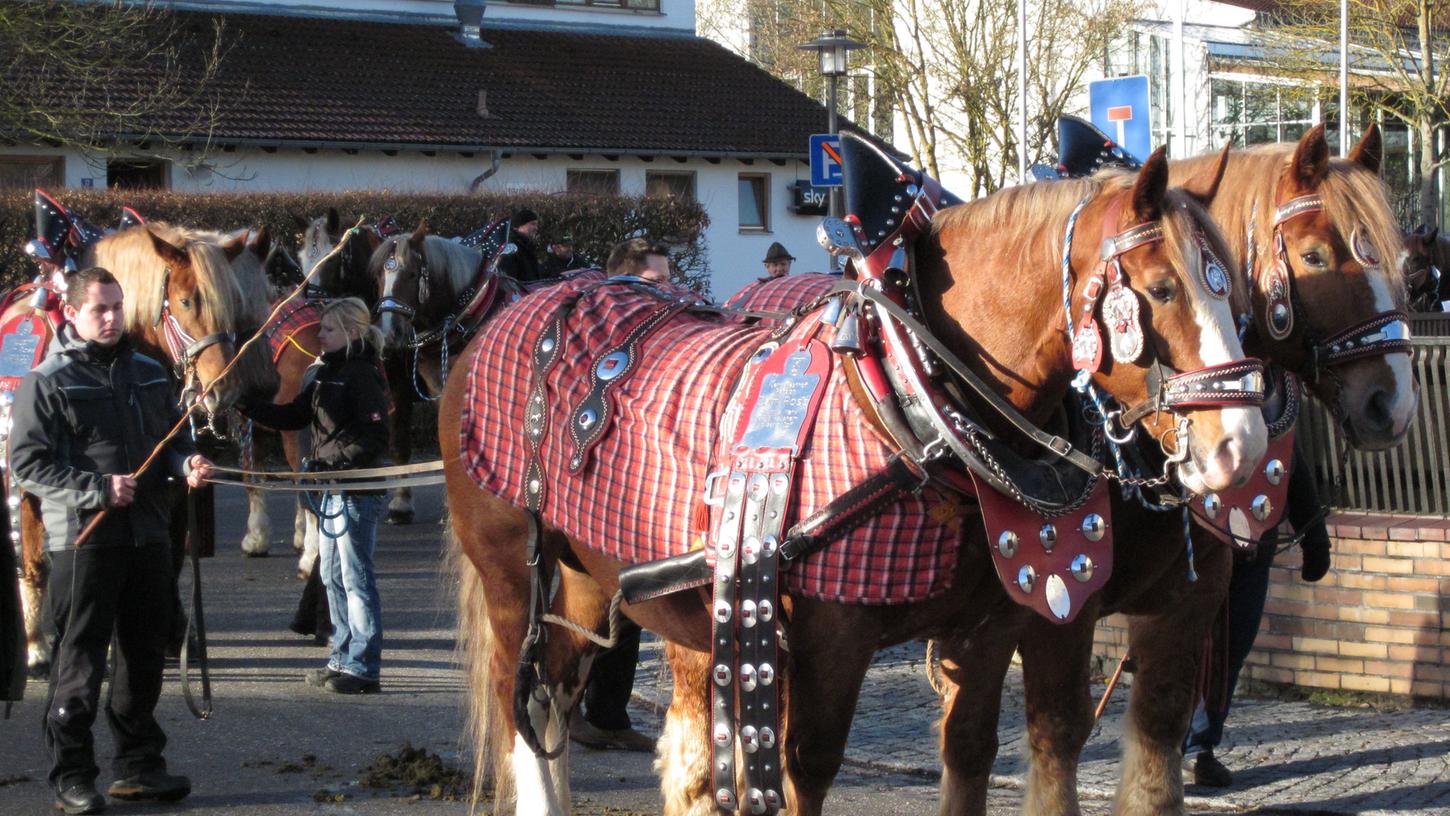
<point>763,200</point>
<point>55,164</point>
<point>571,173</point>
<point>691,195</point>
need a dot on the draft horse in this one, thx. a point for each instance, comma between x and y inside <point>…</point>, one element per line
<point>1296,218</point>
<point>993,277</point>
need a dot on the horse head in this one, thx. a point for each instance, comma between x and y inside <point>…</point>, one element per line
<point>182,301</point>
<point>420,277</point>
<point>1328,282</point>
<point>1145,284</point>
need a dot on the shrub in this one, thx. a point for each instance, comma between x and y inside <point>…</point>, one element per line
<point>595,222</point>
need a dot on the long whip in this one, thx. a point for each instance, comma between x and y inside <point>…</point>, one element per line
<point>186,414</point>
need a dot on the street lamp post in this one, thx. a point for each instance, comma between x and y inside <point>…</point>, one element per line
<point>833,50</point>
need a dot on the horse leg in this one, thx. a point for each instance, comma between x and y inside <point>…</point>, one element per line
<point>1056,663</point>
<point>684,748</point>
<point>831,647</point>
<point>1168,649</point>
<point>259,529</point>
<point>975,669</point>
<point>400,441</point>
<point>34,572</point>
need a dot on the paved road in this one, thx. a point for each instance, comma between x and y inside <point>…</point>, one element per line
<point>276,746</point>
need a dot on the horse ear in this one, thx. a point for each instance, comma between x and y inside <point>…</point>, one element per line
<point>1204,185</point>
<point>416,239</point>
<point>373,238</point>
<point>234,247</point>
<point>1151,187</point>
<point>168,251</point>
<point>1370,150</point>
<point>1311,159</point>
<point>260,241</point>
<point>332,221</point>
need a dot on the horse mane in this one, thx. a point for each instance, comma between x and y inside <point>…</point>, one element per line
<point>251,277</point>
<point>132,258</point>
<point>460,261</point>
<point>1352,195</point>
<point>1186,219</point>
<point>1035,210</point>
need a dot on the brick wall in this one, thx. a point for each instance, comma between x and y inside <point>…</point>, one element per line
<point>1378,622</point>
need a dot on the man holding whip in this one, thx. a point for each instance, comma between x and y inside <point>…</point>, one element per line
<point>84,422</point>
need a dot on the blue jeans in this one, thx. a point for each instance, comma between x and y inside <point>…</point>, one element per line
<point>349,530</point>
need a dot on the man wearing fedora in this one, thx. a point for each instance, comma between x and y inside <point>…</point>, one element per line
<point>777,261</point>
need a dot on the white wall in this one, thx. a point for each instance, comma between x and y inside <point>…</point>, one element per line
<point>673,14</point>
<point>734,256</point>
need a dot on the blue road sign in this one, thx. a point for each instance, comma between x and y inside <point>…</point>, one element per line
<point>1119,107</point>
<point>825,160</point>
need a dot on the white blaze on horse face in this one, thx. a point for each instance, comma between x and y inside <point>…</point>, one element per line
<point>1403,401</point>
<point>388,323</point>
<point>1221,462</point>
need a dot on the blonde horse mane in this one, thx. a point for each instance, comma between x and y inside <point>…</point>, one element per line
<point>256,291</point>
<point>132,258</point>
<point>1353,197</point>
<point>460,261</point>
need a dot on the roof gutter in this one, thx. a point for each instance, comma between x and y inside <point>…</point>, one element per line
<point>302,144</point>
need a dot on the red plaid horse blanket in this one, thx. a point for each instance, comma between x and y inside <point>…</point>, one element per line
<point>294,317</point>
<point>781,294</point>
<point>636,498</point>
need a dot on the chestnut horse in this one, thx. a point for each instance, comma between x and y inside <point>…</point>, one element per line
<point>182,306</point>
<point>1170,613</point>
<point>992,276</point>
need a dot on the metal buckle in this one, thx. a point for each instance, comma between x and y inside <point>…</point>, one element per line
<point>707,495</point>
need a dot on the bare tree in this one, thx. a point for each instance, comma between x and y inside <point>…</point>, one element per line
<point>1398,50</point>
<point>947,67</point>
<point>94,76</point>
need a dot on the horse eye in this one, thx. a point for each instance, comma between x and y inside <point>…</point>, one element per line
<point>1312,258</point>
<point>186,302</point>
<point>1161,292</point>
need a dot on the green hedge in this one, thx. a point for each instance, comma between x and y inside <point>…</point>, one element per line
<point>595,222</point>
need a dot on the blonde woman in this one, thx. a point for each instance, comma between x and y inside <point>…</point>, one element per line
<point>346,407</point>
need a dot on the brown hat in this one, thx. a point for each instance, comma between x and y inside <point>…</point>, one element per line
<point>777,253</point>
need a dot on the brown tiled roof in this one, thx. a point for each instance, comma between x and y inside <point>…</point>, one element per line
<point>294,80</point>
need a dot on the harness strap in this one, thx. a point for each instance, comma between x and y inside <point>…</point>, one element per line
<point>531,682</point>
<point>197,622</point>
<point>1056,444</point>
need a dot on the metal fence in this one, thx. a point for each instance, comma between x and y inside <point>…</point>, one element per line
<point>1412,477</point>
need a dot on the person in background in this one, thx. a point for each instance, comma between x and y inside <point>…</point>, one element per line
<point>346,410</point>
<point>562,258</point>
<point>777,261</point>
<point>84,420</point>
<point>522,262</point>
<point>641,259</point>
<point>1248,589</point>
<point>602,720</point>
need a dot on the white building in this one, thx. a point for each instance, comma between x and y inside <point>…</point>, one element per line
<point>570,95</point>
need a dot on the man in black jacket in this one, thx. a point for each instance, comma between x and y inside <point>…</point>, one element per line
<point>562,258</point>
<point>83,420</point>
<point>520,259</point>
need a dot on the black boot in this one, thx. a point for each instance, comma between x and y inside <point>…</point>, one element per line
<point>80,798</point>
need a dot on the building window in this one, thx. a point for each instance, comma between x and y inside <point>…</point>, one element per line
<point>1251,112</point>
<point>754,202</point>
<point>592,182</point>
<point>138,175</point>
<point>30,172</point>
<point>631,5</point>
<point>660,184</point>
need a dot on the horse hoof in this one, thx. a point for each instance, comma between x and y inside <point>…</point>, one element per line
<point>400,517</point>
<point>255,553</point>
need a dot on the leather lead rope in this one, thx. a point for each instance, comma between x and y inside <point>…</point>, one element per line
<point>197,622</point>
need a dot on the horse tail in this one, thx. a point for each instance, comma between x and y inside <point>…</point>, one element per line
<point>485,727</point>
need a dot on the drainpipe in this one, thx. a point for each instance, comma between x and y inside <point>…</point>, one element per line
<point>493,164</point>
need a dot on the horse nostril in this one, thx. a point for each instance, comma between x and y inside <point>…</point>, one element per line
<point>1378,413</point>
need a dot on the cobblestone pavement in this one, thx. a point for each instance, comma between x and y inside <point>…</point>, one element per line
<point>1286,757</point>
<point>278,747</point>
